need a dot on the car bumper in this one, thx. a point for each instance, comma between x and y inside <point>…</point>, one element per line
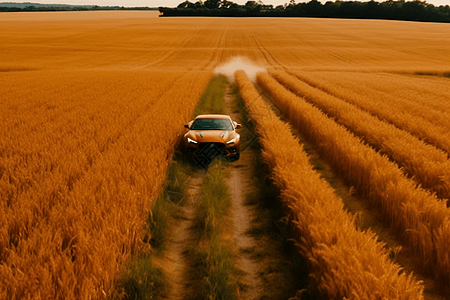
<point>212,150</point>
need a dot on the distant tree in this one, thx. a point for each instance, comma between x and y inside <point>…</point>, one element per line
<point>252,8</point>
<point>265,7</point>
<point>224,4</point>
<point>198,4</point>
<point>330,9</point>
<point>416,10</point>
<point>313,8</point>
<point>186,4</point>
<point>372,10</point>
<point>349,9</point>
<point>211,4</point>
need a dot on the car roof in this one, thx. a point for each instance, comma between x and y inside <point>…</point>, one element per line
<point>213,116</point>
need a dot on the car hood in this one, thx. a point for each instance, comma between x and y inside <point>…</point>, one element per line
<point>211,136</point>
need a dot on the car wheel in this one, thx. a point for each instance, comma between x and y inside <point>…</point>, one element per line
<point>234,157</point>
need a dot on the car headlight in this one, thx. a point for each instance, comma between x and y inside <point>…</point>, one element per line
<point>231,141</point>
<point>191,141</point>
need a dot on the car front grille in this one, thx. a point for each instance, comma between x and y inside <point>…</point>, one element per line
<point>211,150</point>
<point>218,146</point>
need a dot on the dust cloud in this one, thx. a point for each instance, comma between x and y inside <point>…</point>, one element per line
<point>239,63</point>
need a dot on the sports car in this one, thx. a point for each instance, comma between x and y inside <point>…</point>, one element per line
<point>213,135</point>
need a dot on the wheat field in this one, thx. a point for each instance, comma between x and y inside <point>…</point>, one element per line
<point>92,105</point>
<point>332,244</point>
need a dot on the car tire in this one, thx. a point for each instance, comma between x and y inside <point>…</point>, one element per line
<point>234,157</point>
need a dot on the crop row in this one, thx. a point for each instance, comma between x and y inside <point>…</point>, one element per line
<point>391,111</point>
<point>429,166</point>
<point>53,135</point>
<point>65,236</point>
<point>430,92</point>
<point>344,262</point>
<point>416,215</point>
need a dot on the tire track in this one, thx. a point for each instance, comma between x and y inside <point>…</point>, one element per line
<point>174,261</point>
<point>241,185</point>
<point>271,265</point>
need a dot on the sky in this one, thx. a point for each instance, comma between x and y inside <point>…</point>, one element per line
<point>173,3</point>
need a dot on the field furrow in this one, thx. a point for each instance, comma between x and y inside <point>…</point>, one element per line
<point>430,132</point>
<point>326,234</point>
<point>429,166</point>
<point>408,101</point>
<point>430,92</point>
<point>416,214</point>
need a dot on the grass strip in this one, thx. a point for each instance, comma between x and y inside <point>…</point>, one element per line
<point>215,202</point>
<point>209,101</point>
<point>213,274</point>
<point>141,280</point>
<point>166,206</point>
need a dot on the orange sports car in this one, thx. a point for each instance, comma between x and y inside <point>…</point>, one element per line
<point>213,135</point>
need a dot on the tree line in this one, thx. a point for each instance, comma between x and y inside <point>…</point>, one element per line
<point>389,10</point>
<point>58,7</point>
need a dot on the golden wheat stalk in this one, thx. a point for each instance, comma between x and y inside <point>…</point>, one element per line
<point>429,166</point>
<point>66,237</point>
<point>416,214</point>
<point>344,261</point>
<point>431,132</point>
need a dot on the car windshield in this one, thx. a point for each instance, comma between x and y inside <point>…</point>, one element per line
<point>212,124</point>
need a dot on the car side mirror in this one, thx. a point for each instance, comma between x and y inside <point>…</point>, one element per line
<point>186,126</point>
<point>238,126</point>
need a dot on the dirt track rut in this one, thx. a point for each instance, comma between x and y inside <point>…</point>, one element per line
<point>174,262</point>
<point>241,184</point>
